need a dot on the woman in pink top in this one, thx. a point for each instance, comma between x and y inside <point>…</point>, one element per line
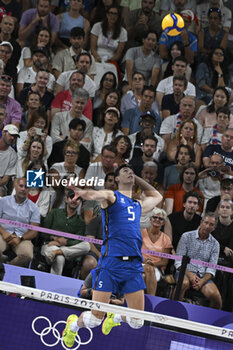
<point>154,239</point>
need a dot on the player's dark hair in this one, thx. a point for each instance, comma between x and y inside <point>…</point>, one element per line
<point>117,171</point>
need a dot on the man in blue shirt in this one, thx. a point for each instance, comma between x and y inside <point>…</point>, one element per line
<point>120,265</point>
<point>130,123</point>
<point>201,245</point>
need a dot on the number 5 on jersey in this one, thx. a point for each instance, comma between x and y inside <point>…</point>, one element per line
<point>131,212</point>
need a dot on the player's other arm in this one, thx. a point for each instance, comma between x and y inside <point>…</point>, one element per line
<point>102,196</point>
<point>152,196</point>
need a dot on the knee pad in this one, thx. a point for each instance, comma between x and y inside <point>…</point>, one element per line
<point>90,320</point>
<point>134,323</point>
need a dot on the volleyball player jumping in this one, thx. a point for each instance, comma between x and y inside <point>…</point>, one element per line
<point>120,265</point>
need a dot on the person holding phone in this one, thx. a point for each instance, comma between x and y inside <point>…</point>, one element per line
<point>37,126</point>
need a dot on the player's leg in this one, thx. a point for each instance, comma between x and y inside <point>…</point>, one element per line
<point>85,319</point>
<point>136,301</point>
<point>211,292</point>
<point>88,319</point>
<point>133,291</point>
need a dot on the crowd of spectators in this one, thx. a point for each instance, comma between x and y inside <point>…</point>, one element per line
<point>88,85</point>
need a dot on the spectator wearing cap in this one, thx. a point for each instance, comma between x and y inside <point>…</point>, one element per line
<point>76,131</point>
<point>7,26</point>
<point>131,118</point>
<point>8,156</point>
<point>27,75</point>
<point>147,124</point>
<point>188,39</point>
<point>65,60</point>
<point>148,150</point>
<point>105,134</point>
<point>13,109</point>
<point>63,101</point>
<point>6,52</point>
<point>83,64</point>
<point>34,19</point>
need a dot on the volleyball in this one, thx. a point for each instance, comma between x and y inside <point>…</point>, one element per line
<point>172,24</point>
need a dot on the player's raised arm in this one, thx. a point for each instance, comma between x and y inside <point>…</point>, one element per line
<point>89,194</point>
<point>152,198</point>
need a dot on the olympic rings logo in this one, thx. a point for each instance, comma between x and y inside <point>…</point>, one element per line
<point>57,334</point>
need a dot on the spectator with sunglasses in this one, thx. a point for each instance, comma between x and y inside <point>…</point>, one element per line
<point>13,109</point>
<point>155,240</point>
<point>108,38</point>
<point>57,250</point>
<point>69,166</point>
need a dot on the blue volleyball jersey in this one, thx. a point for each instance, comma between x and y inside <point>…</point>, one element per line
<point>121,228</point>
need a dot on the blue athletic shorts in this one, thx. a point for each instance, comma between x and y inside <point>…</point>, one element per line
<point>114,275</point>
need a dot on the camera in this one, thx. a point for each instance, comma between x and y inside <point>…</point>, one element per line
<point>213,173</point>
<point>39,131</point>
